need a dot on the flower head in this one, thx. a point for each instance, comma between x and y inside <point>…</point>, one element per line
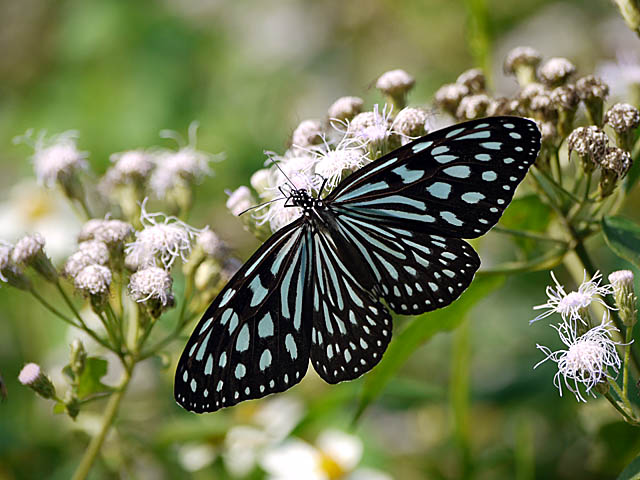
<point>522,62</point>
<point>622,117</point>
<point>151,283</point>
<point>411,123</point>
<point>307,134</point>
<point>625,295</point>
<point>240,200</point>
<point>556,71</point>
<point>27,249</point>
<point>91,252</point>
<point>163,238</point>
<point>394,82</point>
<point>210,243</point>
<point>112,232</point>
<point>186,165</point>
<point>374,130</point>
<point>333,164</point>
<point>590,143</point>
<point>57,157</point>
<point>473,106</point>
<point>449,96</point>
<point>132,165</point>
<point>587,358</point>
<point>93,280</point>
<point>345,108</point>
<point>572,305</point>
<point>473,79</point>
<point>32,376</point>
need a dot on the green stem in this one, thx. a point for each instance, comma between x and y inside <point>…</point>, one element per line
<point>53,310</point>
<point>107,420</point>
<point>630,420</point>
<point>70,304</point>
<point>625,368</point>
<point>552,257</point>
<point>623,398</point>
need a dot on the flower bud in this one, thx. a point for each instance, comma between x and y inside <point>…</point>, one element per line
<point>77,358</point>
<point>566,101</point>
<point>9,272</point>
<point>590,143</point>
<point>345,108</point>
<point>395,85</point>
<point>32,376</point>
<point>152,287</point>
<point>556,71</point>
<point>624,119</point>
<point>614,166</point>
<point>449,96</point>
<point>593,92</point>
<point>411,123</point>
<point>113,233</point>
<point>94,282</point>
<point>625,296</point>
<point>473,106</point>
<point>261,181</point>
<point>29,251</point>
<point>503,106</point>
<point>307,134</point>
<point>240,200</point>
<point>522,62</point>
<point>474,80</point>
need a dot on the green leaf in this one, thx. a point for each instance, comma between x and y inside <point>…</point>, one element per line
<point>623,237</point>
<point>89,382</point>
<point>632,471</point>
<point>632,176</point>
<point>420,330</point>
<point>527,213</point>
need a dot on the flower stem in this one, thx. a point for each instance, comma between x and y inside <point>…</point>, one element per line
<point>107,420</point>
<point>622,411</point>
<point>627,354</point>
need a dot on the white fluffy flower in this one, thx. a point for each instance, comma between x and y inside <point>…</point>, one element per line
<point>345,108</point>
<point>278,214</point>
<point>569,305</point>
<point>307,133</point>
<point>395,82</point>
<point>587,358</point>
<point>132,164</point>
<point>333,163</point>
<point>57,156</point>
<point>111,232</point>
<point>240,200</point>
<point>93,279</point>
<point>163,237</point>
<point>210,243</point>
<point>372,127</point>
<point>151,283</point>
<point>91,252</point>
<point>27,248</point>
<point>187,164</point>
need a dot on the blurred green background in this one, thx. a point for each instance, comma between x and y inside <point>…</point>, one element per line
<point>249,72</point>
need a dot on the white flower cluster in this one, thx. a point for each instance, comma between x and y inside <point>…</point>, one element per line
<point>324,152</point>
<point>591,355</point>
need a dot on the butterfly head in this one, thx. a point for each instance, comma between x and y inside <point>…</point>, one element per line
<point>302,198</point>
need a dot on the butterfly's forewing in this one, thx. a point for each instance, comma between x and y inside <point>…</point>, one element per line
<point>255,337</point>
<point>351,327</point>
<point>455,182</point>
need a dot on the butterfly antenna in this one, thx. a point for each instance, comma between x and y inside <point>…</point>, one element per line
<point>282,171</point>
<point>255,207</point>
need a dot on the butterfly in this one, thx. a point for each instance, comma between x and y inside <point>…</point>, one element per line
<point>389,236</point>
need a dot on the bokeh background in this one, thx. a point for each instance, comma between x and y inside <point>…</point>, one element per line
<point>249,72</point>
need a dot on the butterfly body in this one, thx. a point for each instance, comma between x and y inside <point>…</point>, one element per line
<point>390,236</point>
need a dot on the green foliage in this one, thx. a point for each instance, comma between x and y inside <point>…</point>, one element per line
<point>623,237</point>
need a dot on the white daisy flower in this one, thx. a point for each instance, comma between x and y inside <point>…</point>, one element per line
<point>335,455</point>
<point>587,358</point>
<point>163,237</point>
<point>570,305</point>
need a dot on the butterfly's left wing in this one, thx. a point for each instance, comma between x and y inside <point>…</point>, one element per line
<point>454,182</point>
<point>254,339</point>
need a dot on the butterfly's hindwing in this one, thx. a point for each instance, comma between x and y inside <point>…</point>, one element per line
<point>351,327</point>
<point>456,182</point>
<point>255,337</point>
<point>417,272</point>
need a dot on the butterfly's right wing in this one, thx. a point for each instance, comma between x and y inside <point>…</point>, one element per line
<point>255,337</point>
